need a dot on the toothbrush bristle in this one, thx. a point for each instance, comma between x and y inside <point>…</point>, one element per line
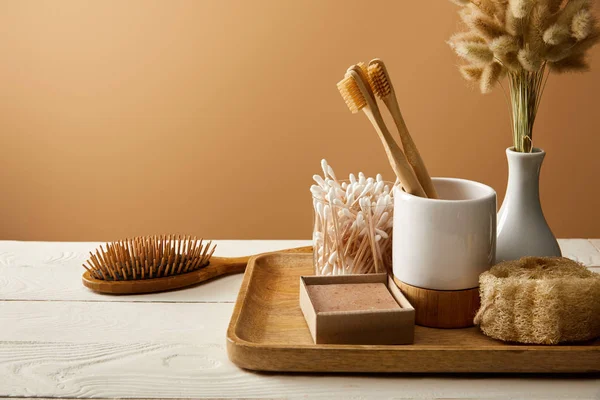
<point>379,80</point>
<point>351,93</point>
<point>364,68</point>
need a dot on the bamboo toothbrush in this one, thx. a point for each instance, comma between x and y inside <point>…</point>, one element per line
<point>157,263</point>
<point>357,93</point>
<point>381,84</point>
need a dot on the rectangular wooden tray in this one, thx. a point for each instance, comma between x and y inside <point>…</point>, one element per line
<point>268,332</point>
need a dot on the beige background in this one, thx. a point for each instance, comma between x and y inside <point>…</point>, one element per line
<point>122,118</point>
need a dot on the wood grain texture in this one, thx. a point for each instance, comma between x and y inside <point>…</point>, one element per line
<point>52,272</point>
<point>158,356</point>
<point>153,370</point>
<point>268,333</point>
<point>85,322</point>
<point>595,243</point>
<point>581,250</point>
<point>58,339</point>
<point>442,308</point>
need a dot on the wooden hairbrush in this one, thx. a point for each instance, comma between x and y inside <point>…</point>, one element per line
<point>152,264</point>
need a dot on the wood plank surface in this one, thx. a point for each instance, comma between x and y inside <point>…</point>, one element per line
<point>595,243</point>
<point>59,340</point>
<point>52,271</point>
<point>175,353</point>
<point>87,322</point>
<point>581,250</point>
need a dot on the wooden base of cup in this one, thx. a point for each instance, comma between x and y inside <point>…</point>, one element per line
<point>442,308</point>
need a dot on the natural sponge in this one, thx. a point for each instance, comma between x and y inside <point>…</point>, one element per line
<point>544,300</point>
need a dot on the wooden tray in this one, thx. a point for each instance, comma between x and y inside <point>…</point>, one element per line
<point>268,332</point>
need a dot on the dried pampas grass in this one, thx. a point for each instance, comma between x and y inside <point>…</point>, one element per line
<point>463,37</point>
<point>584,45</point>
<point>488,7</point>
<point>553,5</point>
<point>529,60</point>
<point>490,76</point>
<point>582,24</point>
<point>510,61</point>
<point>573,63</point>
<point>504,45</point>
<point>484,25</point>
<point>513,25</point>
<point>476,53</point>
<point>524,39</point>
<point>572,7</point>
<point>557,34</point>
<point>541,18</point>
<point>520,8</point>
<point>471,72</point>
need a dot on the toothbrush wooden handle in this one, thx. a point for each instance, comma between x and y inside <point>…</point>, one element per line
<point>410,149</point>
<point>397,159</point>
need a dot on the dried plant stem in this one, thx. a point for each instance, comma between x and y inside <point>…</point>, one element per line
<point>526,89</point>
<point>508,103</point>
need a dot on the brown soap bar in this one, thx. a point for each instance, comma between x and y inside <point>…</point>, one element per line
<point>351,297</point>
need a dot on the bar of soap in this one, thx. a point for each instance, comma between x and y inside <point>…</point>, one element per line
<point>351,297</point>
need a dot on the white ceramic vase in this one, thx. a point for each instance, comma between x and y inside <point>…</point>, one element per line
<point>446,243</point>
<point>522,228</point>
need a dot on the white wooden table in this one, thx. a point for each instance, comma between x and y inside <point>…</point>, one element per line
<point>57,339</point>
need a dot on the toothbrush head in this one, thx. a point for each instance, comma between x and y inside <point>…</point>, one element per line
<point>350,91</point>
<point>364,69</point>
<point>379,78</point>
<point>361,68</point>
<point>356,91</point>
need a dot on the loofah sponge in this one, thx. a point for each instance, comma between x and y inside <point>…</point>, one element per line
<point>540,300</point>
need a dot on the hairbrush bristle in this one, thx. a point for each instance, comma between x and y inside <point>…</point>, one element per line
<point>379,80</point>
<point>149,257</point>
<point>351,93</point>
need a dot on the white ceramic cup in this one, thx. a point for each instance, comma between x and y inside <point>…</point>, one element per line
<point>445,243</point>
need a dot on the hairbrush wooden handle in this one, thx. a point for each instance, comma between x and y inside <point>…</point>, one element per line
<point>218,266</point>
